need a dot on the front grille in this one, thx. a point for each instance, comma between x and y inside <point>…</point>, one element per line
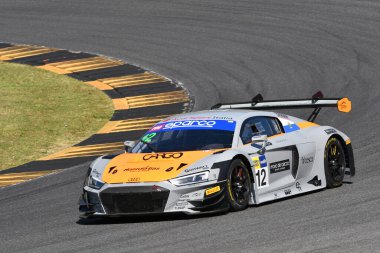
<point>134,200</point>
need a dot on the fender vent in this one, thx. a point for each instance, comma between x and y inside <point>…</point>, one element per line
<point>296,159</point>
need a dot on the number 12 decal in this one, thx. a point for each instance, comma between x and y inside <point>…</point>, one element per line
<point>261,171</point>
<point>262,177</point>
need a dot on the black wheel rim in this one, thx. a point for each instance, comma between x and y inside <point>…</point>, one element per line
<point>336,163</point>
<point>240,184</point>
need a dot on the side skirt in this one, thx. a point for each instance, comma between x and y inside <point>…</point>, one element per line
<point>299,187</point>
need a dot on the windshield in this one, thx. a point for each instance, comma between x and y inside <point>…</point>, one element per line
<point>187,135</point>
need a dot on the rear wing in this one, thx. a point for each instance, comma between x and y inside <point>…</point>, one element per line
<point>317,101</point>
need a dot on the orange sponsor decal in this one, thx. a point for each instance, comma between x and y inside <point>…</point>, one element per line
<point>212,190</point>
<point>150,167</point>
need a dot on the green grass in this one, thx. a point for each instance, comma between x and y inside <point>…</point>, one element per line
<point>42,113</point>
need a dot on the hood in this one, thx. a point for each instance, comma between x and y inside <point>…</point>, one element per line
<point>150,167</point>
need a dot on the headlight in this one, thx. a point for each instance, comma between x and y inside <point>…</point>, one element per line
<point>190,179</point>
<point>94,182</point>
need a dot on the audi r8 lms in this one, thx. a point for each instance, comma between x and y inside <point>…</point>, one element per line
<point>222,159</point>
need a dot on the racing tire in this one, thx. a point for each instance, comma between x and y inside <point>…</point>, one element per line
<point>238,186</point>
<point>335,163</point>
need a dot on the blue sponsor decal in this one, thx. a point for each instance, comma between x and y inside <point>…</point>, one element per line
<point>263,161</point>
<point>227,125</point>
<point>291,127</point>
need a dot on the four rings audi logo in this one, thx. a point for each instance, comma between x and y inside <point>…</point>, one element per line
<point>162,156</point>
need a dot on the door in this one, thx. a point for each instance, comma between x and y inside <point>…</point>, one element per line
<point>277,167</point>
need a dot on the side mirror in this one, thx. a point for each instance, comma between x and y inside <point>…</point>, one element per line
<point>128,145</point>
<point>260,142</point>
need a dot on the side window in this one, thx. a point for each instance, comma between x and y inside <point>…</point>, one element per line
<point>276,126</point>
<point>263,125</point>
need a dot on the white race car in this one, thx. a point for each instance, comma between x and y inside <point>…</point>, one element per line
<point>222,159</point>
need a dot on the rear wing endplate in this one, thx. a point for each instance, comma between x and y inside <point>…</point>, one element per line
<point>317,101</point>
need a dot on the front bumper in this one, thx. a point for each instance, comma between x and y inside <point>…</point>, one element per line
<point>153,198</point>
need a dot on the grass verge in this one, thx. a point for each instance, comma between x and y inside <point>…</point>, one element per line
<point>42,113</point>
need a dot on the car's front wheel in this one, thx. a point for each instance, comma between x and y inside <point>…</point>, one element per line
<point>335,163</point>
<point>238,185</point>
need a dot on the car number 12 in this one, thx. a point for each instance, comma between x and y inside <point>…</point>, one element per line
<point>261,171</point>
<point>262,177</point>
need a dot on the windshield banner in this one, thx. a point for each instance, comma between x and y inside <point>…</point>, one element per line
<point>227,125</point>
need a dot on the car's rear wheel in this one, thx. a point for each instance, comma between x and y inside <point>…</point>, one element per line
<point>335,163</point>
<point>238,185</point>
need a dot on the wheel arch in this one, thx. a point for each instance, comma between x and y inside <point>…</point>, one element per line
<point>348,153</point>
<point>247,163</point>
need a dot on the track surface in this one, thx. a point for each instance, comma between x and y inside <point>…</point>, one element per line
<point>222,51</point>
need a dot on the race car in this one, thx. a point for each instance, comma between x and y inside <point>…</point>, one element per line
<point>226,158</point>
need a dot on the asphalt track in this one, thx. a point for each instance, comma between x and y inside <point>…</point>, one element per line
<point>221,51</point>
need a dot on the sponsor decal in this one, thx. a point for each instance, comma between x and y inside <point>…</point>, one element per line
<point>156,128</point>
<point>315,181</point>
<point>298,186</point>
<point>203,167</point>
<point>178,168</point>
<point>306,160</point>
<point>212,190</point>
<point>183,203</point>
<point>288,191</point>
<point>279,166</point>
<point>261,168</point>
<point>148,137</point>
<point>112,170</point>
<point>259,162</point>
<point>185,118</point>
<point>228,125</point>
<point>262,177</point>
<point>155,160</point>
<point>289,126</point>
<point>198,195</point>
<point>142,169</point>
<point>162,156</point>
<point>221,118</point>
<point>330,131</point>
<point>190,123</point>
<point>133,179</point>
<point>184,198</point>
<point>256,162</point>
<point>263,161</point>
